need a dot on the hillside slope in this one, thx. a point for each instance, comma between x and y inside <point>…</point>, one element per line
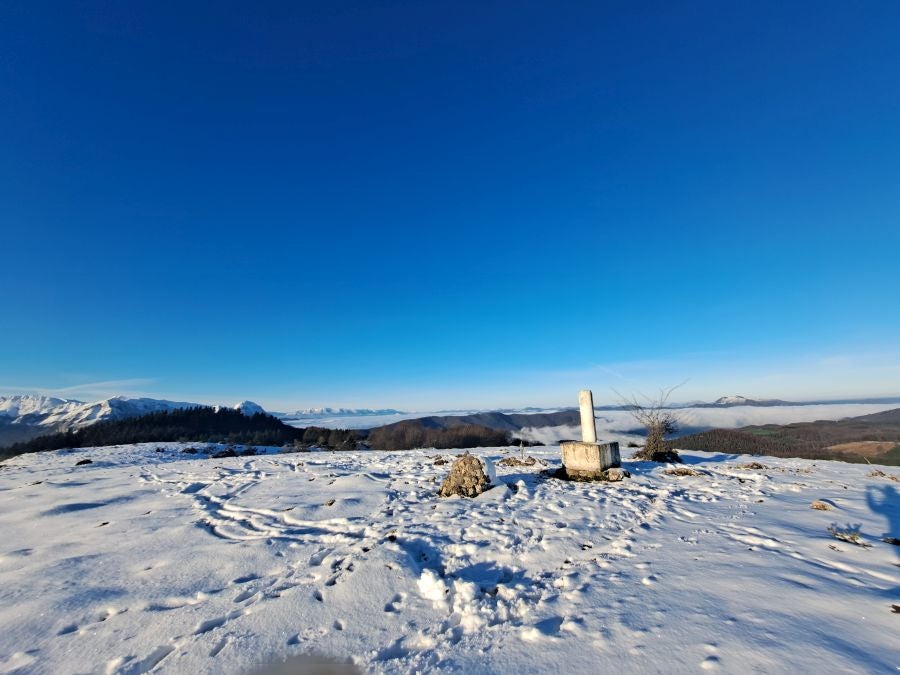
<point>873,437</point>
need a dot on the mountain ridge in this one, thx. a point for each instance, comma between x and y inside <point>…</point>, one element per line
<point>27,416</point>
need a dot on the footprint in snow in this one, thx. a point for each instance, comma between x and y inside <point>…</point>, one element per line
<point>396,603</point>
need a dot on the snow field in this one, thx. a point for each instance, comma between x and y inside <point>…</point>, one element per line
<point>161,561</point>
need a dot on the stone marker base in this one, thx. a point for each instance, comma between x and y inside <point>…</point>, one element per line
<point>589,461</point>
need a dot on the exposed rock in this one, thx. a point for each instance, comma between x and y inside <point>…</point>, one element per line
<point>82,462</point>
<point>467,478</point>
<point>753,466</point>
<point>615,474</point>
<point>190,451</point>
<point>224,453</point>
<point>440,461</point>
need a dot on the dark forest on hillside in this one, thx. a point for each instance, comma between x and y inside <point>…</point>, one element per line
<point>808,440</point>
<point>200,424</point>
<point>208,425</point>
<point>411,434</point>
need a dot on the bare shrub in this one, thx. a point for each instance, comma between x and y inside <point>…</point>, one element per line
<point>659,420</point>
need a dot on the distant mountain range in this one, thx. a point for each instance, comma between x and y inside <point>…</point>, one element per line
<point>340,412</point>
<point>28,416</point>
<point>732,401</point>
<point>25,417</point>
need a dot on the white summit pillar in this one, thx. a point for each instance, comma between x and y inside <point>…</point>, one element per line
<point>587,459</point>
<point>588,424</point>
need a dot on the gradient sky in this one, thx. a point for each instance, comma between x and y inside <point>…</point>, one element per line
<point>432,205</point>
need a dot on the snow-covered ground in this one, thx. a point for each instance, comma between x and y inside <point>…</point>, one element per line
<point>164,561</point>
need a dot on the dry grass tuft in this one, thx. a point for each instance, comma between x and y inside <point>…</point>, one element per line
<point>849,534</point>
<point>819,505</point>
<point>682,471</point>
<point>878,473</point>
<point>515,461</point>
<point>754,466</point>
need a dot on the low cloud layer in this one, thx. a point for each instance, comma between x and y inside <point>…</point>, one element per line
<point>620,425</point>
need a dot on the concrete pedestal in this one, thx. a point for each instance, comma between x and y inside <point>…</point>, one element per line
<point>589,460</point>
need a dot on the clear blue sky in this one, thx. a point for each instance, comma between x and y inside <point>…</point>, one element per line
<point>422,205</point>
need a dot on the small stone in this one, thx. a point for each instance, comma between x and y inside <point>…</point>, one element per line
<point>615,474</point>
<point>330,502</point>
<point>466,479</point>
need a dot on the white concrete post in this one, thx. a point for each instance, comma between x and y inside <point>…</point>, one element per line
<point>588,425</point>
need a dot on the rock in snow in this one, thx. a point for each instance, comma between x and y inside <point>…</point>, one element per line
<point>467,478</point>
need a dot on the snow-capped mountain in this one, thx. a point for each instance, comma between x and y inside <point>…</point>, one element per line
<point>27,416</point>
<point>729,401</point>
<point>61,414</point>
<point>732,400</point>
<point>249,408</point>
<point>21,407</point>
<point>344,412</point>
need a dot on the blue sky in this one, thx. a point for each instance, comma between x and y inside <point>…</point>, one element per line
<point>427,205</point>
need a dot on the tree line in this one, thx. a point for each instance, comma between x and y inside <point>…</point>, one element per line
<point>196,425</point>
<point>775,444</point>
<point>411,434</point>
<point>204,424</point>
